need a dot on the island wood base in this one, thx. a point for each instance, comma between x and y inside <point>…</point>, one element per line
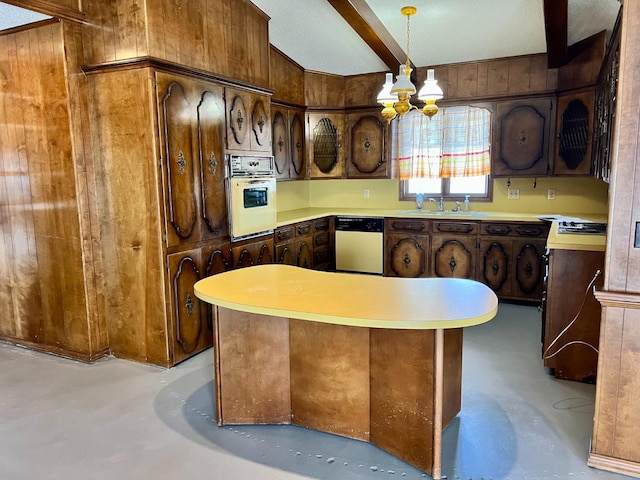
<point>397,389</point>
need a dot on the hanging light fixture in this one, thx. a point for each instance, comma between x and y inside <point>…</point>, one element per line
<point>395,97</point>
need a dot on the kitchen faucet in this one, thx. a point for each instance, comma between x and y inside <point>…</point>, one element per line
<point>440,204</point>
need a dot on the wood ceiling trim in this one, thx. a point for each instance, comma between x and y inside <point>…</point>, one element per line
<point>555,26</point>
<point>362,19</point>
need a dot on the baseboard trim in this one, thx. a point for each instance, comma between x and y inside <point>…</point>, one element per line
<point>612,464</point>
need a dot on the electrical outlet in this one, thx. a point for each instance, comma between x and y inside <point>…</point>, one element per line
<point>513,193</point>
<point>366,193</point>
<point>551,194</point>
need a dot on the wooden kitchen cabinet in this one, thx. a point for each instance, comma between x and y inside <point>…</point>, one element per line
<point>323,243</point>
<point>248,121</point>
<point>454,249</point>
<point>191,117</point>
<point>368,145</point>
<point>511,259</point>
<point>325,131</point>
<point>522,131</point>
<point>288,141</point>
<point>406,247</point>
<point>570,272</point>
<point>253,251</point>
<point>574,132</point>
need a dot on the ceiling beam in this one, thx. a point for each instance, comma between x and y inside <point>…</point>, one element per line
<point>365,23</point>
<point>555,26</point>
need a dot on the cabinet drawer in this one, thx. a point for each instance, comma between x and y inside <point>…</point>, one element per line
<point>455,227</point>
<point>497,229</point>
<point>538,231</point>
<point>303,229</point>
<point>407,225</point>
<point>284,233</point>
<point>322,225</point>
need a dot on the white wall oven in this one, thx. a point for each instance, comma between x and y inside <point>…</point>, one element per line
<point>251,189</point>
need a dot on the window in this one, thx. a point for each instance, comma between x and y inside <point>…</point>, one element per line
<point>447,156</point>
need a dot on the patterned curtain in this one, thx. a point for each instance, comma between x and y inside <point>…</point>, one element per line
<point>454,143</point>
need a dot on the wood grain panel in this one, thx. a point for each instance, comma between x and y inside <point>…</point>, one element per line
<point>362,90</point>
<point>127,152</point>
<point>330,378</point>
<point>402,406</point>
<point>41,254</point>
<point>324,90</point>
<point>253,369</point>
<point>228,37</point>
<point>286,78</point>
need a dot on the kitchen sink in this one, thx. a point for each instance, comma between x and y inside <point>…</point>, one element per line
<point>430,213</point>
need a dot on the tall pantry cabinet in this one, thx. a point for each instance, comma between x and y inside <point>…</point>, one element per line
<point>159,138</point>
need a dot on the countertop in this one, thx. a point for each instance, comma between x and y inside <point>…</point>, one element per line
<point>556,241</point>
<point>351,299</point>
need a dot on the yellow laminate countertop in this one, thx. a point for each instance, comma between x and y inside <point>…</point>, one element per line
<point>351,299</point>
<point>567,241</point>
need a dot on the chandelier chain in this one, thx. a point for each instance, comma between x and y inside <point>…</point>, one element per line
<point>408,40</point>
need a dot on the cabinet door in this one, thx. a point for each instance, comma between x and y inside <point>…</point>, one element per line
<point>191,136</point>
<point>280,141</point>
<point>323,244</point>
<point>406,255</point>
<point>521,140</point>
<point>574,138</point>
<point>256,252</point>
<point>453,256</point>
<point>189,330</point>
<point>528,259</point>
<point>248,121</point>
<point>297,153</point>
<point>177,119</point>
<point>326,155</point>
<point>495,264</point>
<point>368,147</point>
<point>304,252</point>
<point>210,130</point>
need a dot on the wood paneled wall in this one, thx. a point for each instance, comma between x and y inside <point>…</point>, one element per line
<point>124,134</point>
<point>227,37</point>
<point>322,90</point>
<point>47,274</point>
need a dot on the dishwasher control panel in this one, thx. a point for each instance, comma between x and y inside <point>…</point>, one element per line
<point>360,224</point>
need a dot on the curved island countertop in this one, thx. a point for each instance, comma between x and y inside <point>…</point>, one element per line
<point>351,299</point>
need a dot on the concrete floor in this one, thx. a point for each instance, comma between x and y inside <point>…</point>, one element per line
<point>61,419</point>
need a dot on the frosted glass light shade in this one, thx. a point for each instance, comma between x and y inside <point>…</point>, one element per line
<point>403,85</point>
<point>430,90</point>
<point>385,96</point>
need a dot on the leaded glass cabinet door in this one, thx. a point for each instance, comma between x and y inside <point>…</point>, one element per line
<point>325,145</point>
<point>574,134</point>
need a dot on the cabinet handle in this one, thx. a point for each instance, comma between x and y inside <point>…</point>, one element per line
<point>303,229</point>
<point>409,226</point>
<point>498,229</point>
<point>455,227</point>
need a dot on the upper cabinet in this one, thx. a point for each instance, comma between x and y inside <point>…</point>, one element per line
<point>192,136</point>
<point>288,141</point>
<point>522,133</point>
<point>574,127</point>
<point>368,143</point>
<point>326,155</point>
<point>248,121</point>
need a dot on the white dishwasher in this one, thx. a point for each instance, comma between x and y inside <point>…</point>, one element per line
<point>359,244</point>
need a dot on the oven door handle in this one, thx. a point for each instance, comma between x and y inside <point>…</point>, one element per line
<point>259,182</point>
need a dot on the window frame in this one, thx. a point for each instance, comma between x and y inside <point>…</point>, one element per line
<point>446,195</point>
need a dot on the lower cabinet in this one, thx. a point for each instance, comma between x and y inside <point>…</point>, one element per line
<point>190,319</point>
<point>306,244</point>
<point>255,251</point>
<point>454,247</point>
<point>571,353</point>
<point>511,259</point>
<point>406,247</point>
<point>323,243</point>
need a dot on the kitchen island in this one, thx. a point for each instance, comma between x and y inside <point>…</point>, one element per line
<point>372,358</point>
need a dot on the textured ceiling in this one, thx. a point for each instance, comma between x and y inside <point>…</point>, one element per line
<point>11,16</point>
<point>312,33</point>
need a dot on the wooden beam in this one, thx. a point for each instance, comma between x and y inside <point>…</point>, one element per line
<point>48,7</point>
<point>362,19</point>
<point>555,25</point>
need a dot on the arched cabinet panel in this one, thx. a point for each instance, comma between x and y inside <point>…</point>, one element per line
<point>368,146</point>
<point>179,162</point>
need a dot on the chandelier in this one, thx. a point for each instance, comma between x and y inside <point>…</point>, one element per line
<point>395,97</point>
